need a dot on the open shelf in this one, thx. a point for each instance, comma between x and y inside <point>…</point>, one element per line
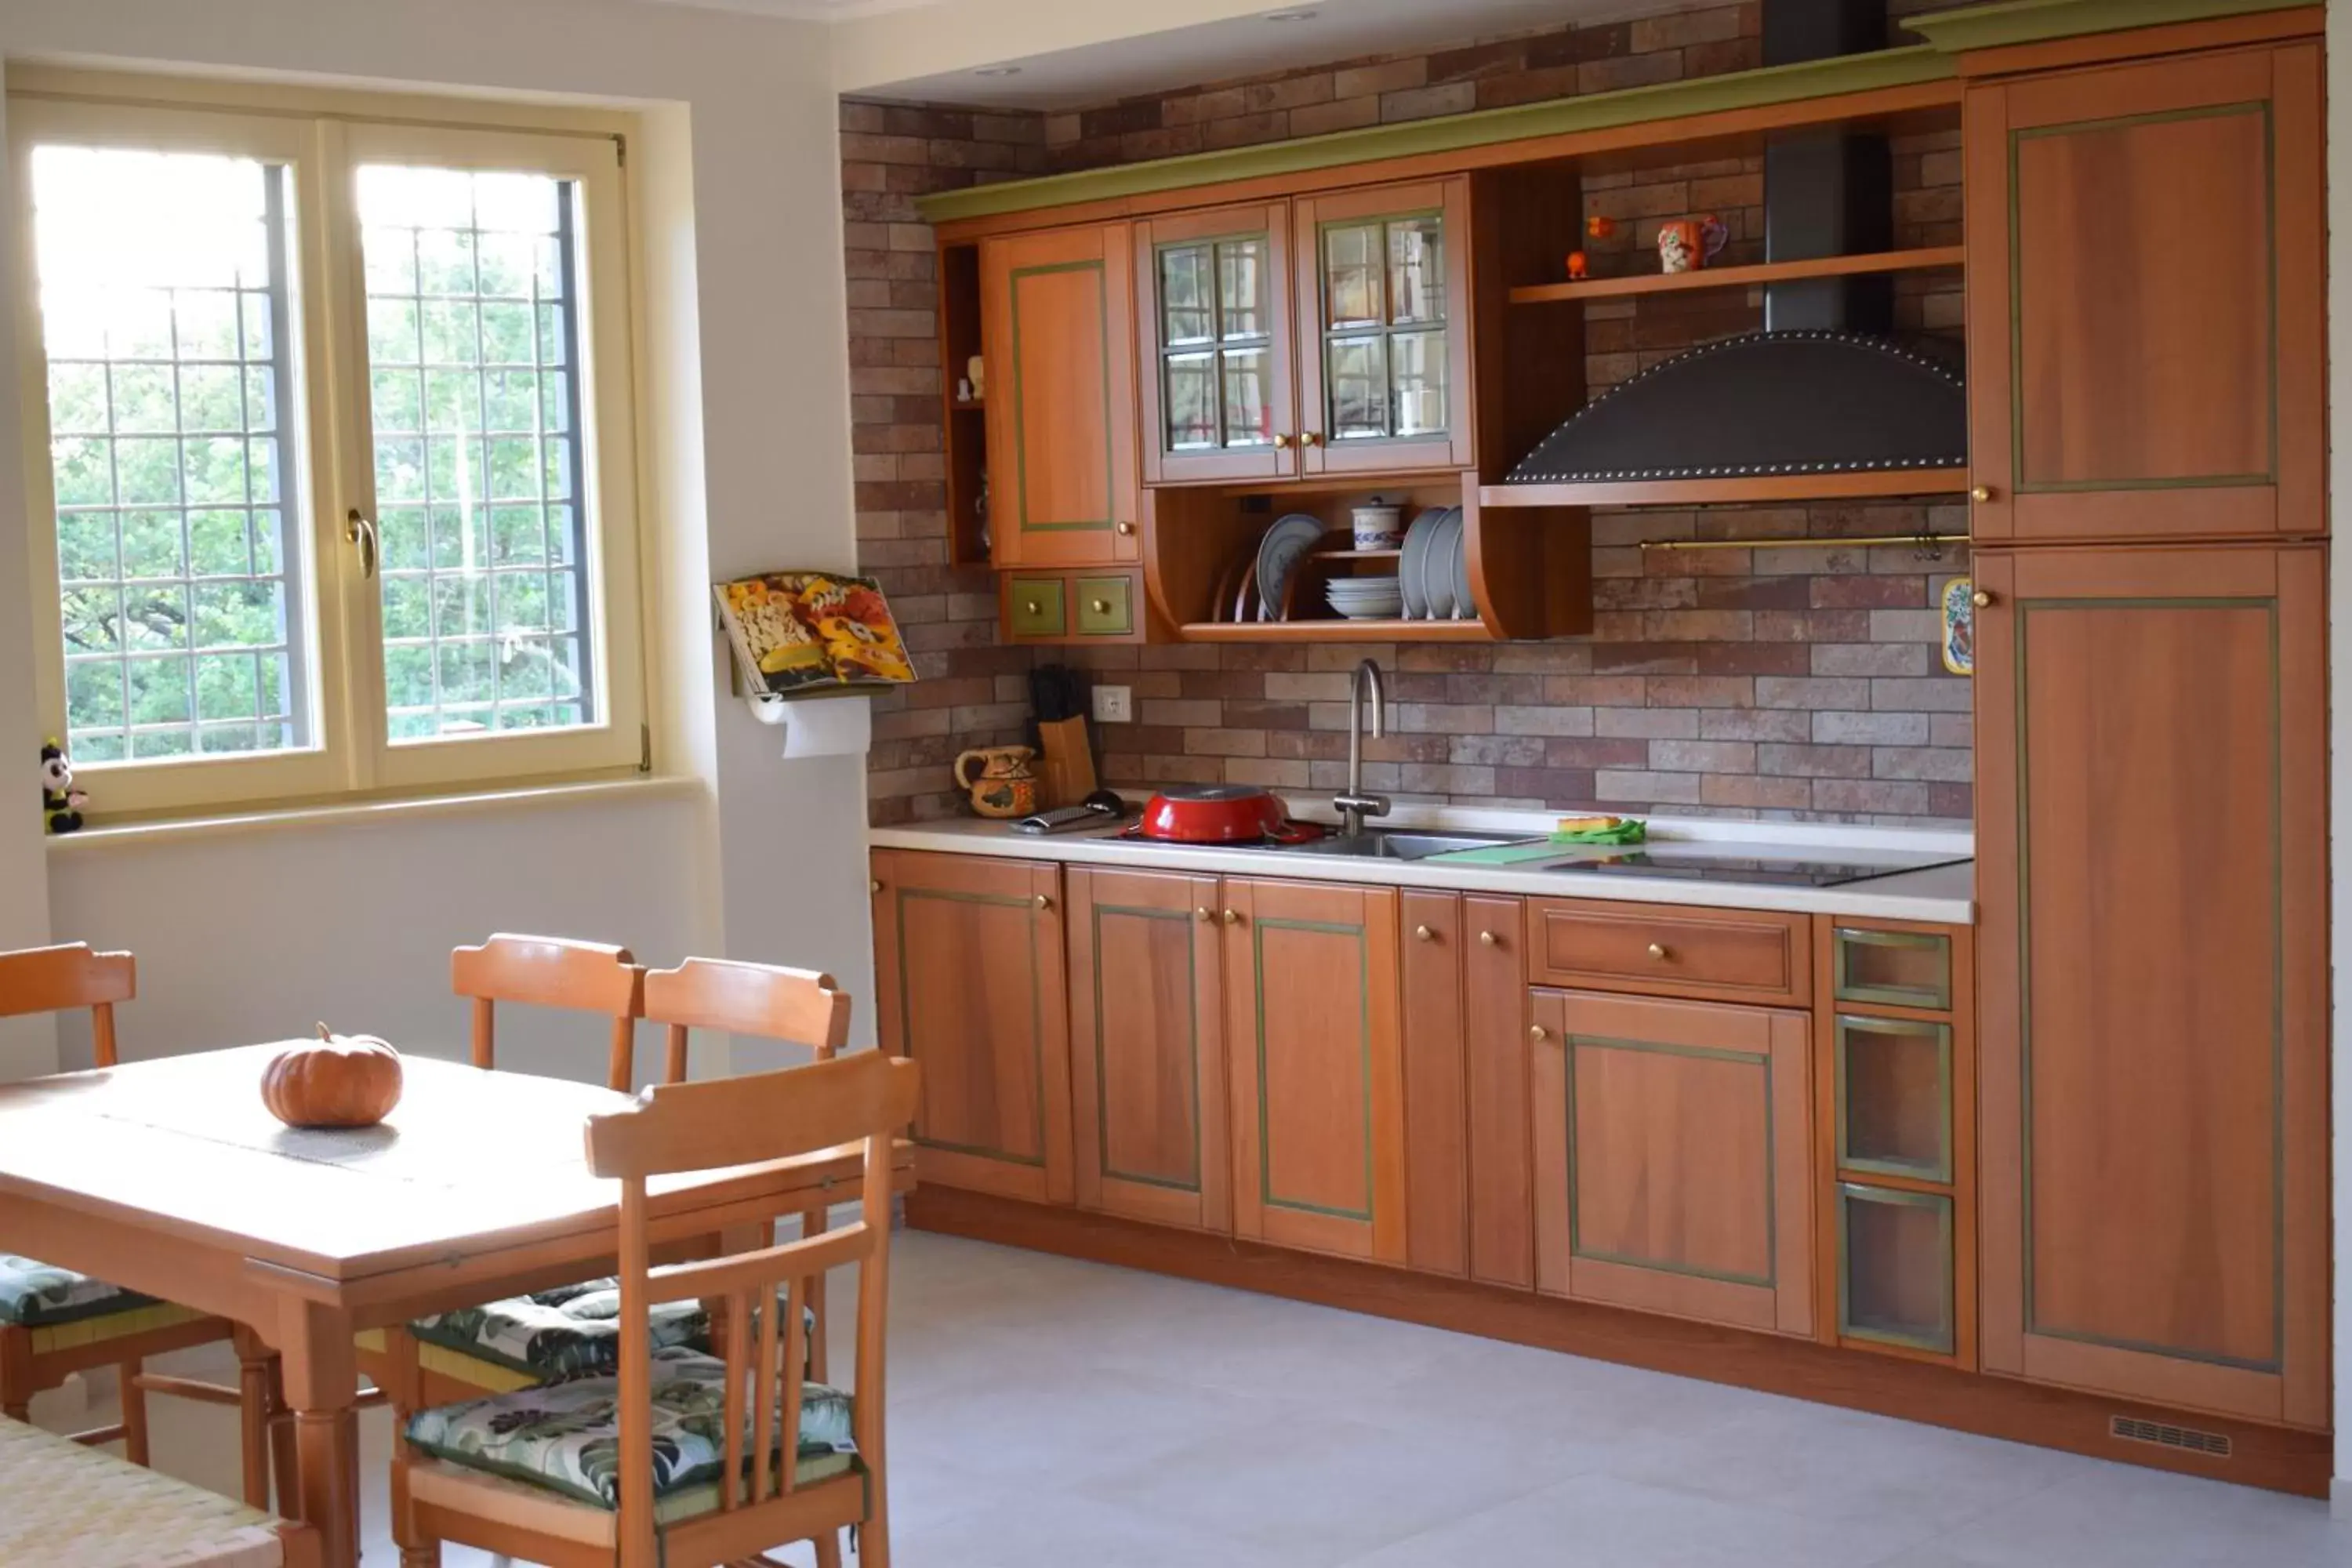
<point>1732,491</point>
<point>1927,259</point>
<point>1338,631</point>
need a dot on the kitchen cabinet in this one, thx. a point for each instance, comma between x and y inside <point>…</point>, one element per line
<point>1219,401</point>
<point>1054,310</point>
<point>1494,1052</point>
<point>1148,1065</point>
<point>2151,866</point>
<point>1074,608</point>
<point>1436,1118</point>
<point>1730,955</point>
<point>1673,1152</point>
<point>1319,1128</point>
<point>969,981</point>
<point>2146,255</point>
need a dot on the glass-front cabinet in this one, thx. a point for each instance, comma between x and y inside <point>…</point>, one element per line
<point>1215,345</point>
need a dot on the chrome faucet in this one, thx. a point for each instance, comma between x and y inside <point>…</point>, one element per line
<point>1355,805</point>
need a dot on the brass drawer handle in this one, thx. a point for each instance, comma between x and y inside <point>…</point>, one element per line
<point>1282,443</point>
<point>1538,1033</point>
<point>1206,915</point>
<point>1310,438</point>
<point>876,886</point>
<point>1981,599</point>
<point>1422,933</point>
<point>1232,917</point>
<point>1042,902</point>
<point>1126,528</point>
<point>1981,494</point>
<point>1099,607</point>
<point>1488,939</point>
<point>1033,608</point>
<point>1660,951</point>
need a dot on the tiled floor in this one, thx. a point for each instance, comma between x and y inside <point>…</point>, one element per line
<point>1047,1414</point>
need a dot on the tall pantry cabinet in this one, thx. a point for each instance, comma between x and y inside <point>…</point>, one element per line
<point>2146,256</point>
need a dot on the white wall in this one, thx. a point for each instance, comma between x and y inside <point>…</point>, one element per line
<point>737,183</point>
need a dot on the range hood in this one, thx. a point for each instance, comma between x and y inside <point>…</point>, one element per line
<point>1825,388</point>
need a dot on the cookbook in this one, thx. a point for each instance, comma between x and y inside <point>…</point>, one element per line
<point>804,634</point>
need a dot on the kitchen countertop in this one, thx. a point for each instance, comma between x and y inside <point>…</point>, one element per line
<point>1940,894</point>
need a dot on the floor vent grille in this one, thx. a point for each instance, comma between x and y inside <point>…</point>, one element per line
<point>2186,1438</point>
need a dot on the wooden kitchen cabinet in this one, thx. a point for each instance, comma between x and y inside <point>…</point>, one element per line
<point>2151,863</point>
<point>1148,1065</point>
<point>1319,1128</point>
<point>969,981</point>
<point>1055,311</point>
<point>1495,1051</point>
<point>2145,252</point>
<point>1673,1156</point>
<point>1436,1118</point>
<point>1213,332</point>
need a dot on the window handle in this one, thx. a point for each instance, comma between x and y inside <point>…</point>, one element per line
<point>358,530</point>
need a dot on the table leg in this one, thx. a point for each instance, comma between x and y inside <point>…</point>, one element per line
<point>322,1384</point>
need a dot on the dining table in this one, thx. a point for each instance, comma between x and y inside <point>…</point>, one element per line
<point>169,1177</point>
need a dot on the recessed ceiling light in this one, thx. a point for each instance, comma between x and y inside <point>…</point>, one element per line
<point>997,71</point>
<point>1302,13</point>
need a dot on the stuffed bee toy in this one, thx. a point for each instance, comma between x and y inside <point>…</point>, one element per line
<point>60,802</point>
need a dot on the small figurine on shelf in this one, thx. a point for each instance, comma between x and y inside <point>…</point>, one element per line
<point>1579,268</point>
<point>61,803</point>
<point>1688,244</point>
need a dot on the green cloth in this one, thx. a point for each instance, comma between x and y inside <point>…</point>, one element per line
<point>1633,830</point>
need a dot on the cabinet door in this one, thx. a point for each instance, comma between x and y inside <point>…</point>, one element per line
<point>1147,1047</point>
<point>1384,329</point>
<point>1437,1130</point>
<point>2145,265</point>
<point>1495,1041</point>
<point>2151,825</point>
<point>1055,310</point>
<point>1213,344</point>
<point>968,982</point>
<point>1672,1158</point>
<point>1318,1082</point>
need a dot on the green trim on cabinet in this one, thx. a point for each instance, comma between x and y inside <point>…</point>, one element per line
<point>1769,1279</point>
<point>1940,1168</point>
<point>2269,605</point>
<point>1021,404</point>
<point>1451,134</point>
<point>1944,1341</point>
<point>1037,1017</point>
<point>2035,21</point>
<point>1192,1043</point>
<point>1258,929</point>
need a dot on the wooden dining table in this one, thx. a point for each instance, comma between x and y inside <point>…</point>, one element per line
<point>169,1177</point>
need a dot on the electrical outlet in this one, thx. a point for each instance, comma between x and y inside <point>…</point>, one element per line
<point>1114,705</point>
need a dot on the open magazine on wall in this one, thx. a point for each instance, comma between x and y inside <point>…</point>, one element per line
<point>807,634</point>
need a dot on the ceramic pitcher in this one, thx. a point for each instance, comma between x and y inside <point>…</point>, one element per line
<point>999,780</point>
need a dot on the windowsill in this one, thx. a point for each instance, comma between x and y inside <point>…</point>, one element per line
<point>266,819</point>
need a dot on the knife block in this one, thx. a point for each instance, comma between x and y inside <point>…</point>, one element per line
<point>1065,772</point>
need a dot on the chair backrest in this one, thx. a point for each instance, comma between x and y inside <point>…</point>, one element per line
<point>864,1099</point>
<point>553,972</point>
<point>797,1004</point>
<point>52,979</point>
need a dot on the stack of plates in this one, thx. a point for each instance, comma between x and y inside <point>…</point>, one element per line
<point>1435,574</point>
<point>1366,598</point>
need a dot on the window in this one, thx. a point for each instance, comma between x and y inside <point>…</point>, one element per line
<point>337,451</point>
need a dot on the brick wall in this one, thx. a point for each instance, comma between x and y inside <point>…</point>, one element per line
<point>1801,682</point>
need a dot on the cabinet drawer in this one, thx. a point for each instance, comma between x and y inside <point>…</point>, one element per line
<point>1034,606</point>
<point>1661,950</point>
<point>1893,968</point>
<point>1106,607</point>
<point>1894,1267</point>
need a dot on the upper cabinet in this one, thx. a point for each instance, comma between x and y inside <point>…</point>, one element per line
<point>2146,255</point>
<point>1293,339</point>
<point>1054,310</point>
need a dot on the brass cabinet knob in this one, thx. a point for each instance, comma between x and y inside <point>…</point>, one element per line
<point>1042,902</point>
<point>1126,528</point>
<point>1282,443</point>
<point>1422,933</point>
<point>1658,951</point>
<point>1538,1033</point>
<point>1980,599</point>
<point>1032,607</point>
<point>1205,914</point>
<point>1488,939</point>
<point>1310,438</point>
<point>1981,494</point>
<point>1099,607</point>
<point>1232,917</point>
<point>875,886</point>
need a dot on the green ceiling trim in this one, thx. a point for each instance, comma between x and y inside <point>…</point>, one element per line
<point>1454,134</point>
<point>2007,22</point>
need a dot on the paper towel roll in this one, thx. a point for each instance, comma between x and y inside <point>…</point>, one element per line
<point>820,726</point>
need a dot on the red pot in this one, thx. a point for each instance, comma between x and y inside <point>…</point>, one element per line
<point>1221,814</point>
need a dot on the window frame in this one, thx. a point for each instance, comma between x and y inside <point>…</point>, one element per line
<point>328,447</point>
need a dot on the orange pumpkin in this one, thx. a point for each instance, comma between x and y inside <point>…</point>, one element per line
<point>336,1081</point>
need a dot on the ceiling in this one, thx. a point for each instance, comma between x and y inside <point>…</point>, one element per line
<point>1242,45</point>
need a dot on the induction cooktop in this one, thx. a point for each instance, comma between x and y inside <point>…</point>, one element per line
<point>1710,868</point>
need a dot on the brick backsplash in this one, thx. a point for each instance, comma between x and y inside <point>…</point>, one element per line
<point>1802,683</point>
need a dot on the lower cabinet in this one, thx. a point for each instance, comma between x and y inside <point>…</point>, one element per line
<point>1673,1145</point>
<point>968,959</point>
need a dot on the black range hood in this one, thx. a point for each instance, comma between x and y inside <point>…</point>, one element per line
<point>1825,388</point>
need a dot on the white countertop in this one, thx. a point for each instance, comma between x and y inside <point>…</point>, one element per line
<point>1941,895</point>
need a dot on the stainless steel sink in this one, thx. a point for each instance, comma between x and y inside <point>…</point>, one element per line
<point>1398,845</point>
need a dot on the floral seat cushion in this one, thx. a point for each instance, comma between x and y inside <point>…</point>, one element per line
<point>563,1333</point>
<point>565,1435</point>
<point>34,1294</point>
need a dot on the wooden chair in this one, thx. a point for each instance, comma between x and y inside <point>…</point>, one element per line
<point>731,1488</point>
<point>55,1322</point>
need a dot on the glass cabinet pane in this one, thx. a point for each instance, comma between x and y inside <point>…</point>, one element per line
<point>1901,969</point>
<point>1242,280</point>
<point>1249,398</point>
<point>1894,1097</point>
<point>1416,270</point>
<point>1894,1267</point>
<point>1186,304</point>
<point>1351,273</point>
<point>1192,383</point>
<point>1417,366</point>
<point>1358,382</point>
